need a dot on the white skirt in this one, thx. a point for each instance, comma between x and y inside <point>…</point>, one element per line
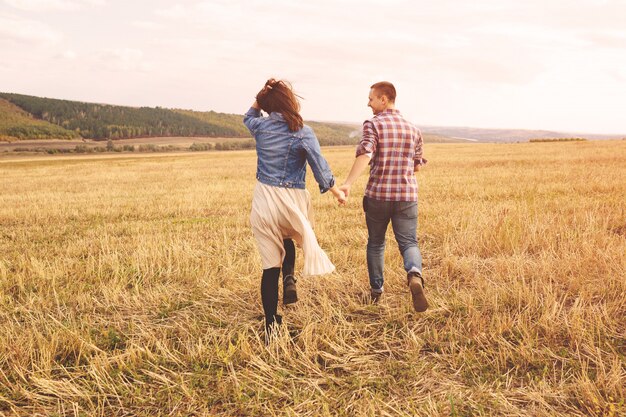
<point>279,213</point>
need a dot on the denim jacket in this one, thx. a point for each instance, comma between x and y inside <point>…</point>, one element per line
<point>282,155</point>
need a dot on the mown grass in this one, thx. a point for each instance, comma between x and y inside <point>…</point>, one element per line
<point>130,286</point>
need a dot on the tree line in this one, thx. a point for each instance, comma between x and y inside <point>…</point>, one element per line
<point>17,123</point>
<point>72,119</point>
<point>103,121</point>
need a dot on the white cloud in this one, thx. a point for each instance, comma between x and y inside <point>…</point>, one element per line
<point>491,62</point>
<point>47,5</point>
<point>144,24</point>
<point>176,11</point>
<point>608,39</point>
<point>17,30</point>
<point>618,75</point>
<point>68,54</point>
<point>123,60</point>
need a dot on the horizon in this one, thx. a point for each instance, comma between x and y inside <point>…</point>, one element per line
<point>422,125</point>
<point>497,64</point>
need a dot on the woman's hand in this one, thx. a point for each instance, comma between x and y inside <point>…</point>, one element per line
<point>269,85</point>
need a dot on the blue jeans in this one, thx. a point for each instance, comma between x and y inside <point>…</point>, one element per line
<point>403,216</point>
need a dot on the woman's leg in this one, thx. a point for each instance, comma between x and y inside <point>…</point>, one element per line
<point>269,296</point>
<point>290,294</point>
<point>290,257</point>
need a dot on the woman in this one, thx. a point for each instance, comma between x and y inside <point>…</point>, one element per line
<point>281,206</point>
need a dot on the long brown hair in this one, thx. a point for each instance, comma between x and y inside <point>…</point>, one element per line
<point>278,96</point>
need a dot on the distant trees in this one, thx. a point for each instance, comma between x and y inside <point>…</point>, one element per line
<point>101,121</point>
<point>335,134</point>
<point>220,121</point>
<point>15,123</point>
<point>226,145</point>
<point>231,146</point>
<point>558,140</point>
<point>195,147</point>
<point>36,131</point>
<point>66,119</point>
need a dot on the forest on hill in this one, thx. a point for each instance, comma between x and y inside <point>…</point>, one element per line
<point>16,123</point>
<point>30,117</point>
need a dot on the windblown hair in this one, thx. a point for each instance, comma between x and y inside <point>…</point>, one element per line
<point>385,88</point>
<point>278,96</point>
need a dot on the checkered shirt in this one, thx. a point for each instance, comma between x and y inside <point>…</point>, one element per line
<point>396,148</point>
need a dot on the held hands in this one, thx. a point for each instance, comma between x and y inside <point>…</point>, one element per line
<point>339,195</point>
<point>342,199</point>
<point>346,190</point>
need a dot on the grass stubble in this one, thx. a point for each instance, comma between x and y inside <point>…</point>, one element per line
<point>130,286</point>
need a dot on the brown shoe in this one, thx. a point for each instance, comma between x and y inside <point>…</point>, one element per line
<point>375,296</point>
<point>416,286</point>
<point>290,294</point>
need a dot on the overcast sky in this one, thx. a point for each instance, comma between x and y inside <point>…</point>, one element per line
<point>535,64</point>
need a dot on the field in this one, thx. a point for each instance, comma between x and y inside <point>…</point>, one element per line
<point>130,286</point>
<point>153,144</point>
<point>176,141</point>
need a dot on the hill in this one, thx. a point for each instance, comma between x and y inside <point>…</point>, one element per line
<point>104,121</point>
<point>328,133</point>
<point>24,117</point>
<point>17,124</point>
<point>474,134</point>
<point>30,117</point>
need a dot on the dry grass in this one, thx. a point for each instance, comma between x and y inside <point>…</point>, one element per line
<point>6,148</point>
<point>130,286</point>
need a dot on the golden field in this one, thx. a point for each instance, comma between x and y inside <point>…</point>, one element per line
<point>129,285</point>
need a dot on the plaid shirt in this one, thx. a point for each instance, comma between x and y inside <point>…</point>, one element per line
<point>396,148</point>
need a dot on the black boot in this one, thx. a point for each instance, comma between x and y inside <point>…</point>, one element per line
<point>290,294</point>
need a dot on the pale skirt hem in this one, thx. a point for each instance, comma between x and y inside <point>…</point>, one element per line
<point>279,213</point>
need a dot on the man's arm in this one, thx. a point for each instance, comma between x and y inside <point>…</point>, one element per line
<point>364,153</point>
<point>357,169</point>
<point>418,159</point>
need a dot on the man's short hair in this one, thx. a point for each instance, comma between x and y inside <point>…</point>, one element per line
<point>385,88</point>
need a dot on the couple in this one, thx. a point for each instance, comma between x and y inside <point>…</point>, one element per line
<point>281,206</point>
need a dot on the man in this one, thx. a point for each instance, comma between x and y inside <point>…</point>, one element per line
<point>392,147</point>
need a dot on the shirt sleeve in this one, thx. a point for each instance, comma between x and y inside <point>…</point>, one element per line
<point>419,159</point>
<point>369,140</point>
<point>252,119</point>
<point>321,171</point>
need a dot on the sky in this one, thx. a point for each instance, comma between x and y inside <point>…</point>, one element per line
<point>532,64</point>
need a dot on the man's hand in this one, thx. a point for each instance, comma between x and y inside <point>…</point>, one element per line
<point>419,163</point>
<point>339,195</point>
<point>341,198</point>
<point>346,189</point>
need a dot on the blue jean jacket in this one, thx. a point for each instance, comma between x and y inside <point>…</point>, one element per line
<point>282,155</point>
